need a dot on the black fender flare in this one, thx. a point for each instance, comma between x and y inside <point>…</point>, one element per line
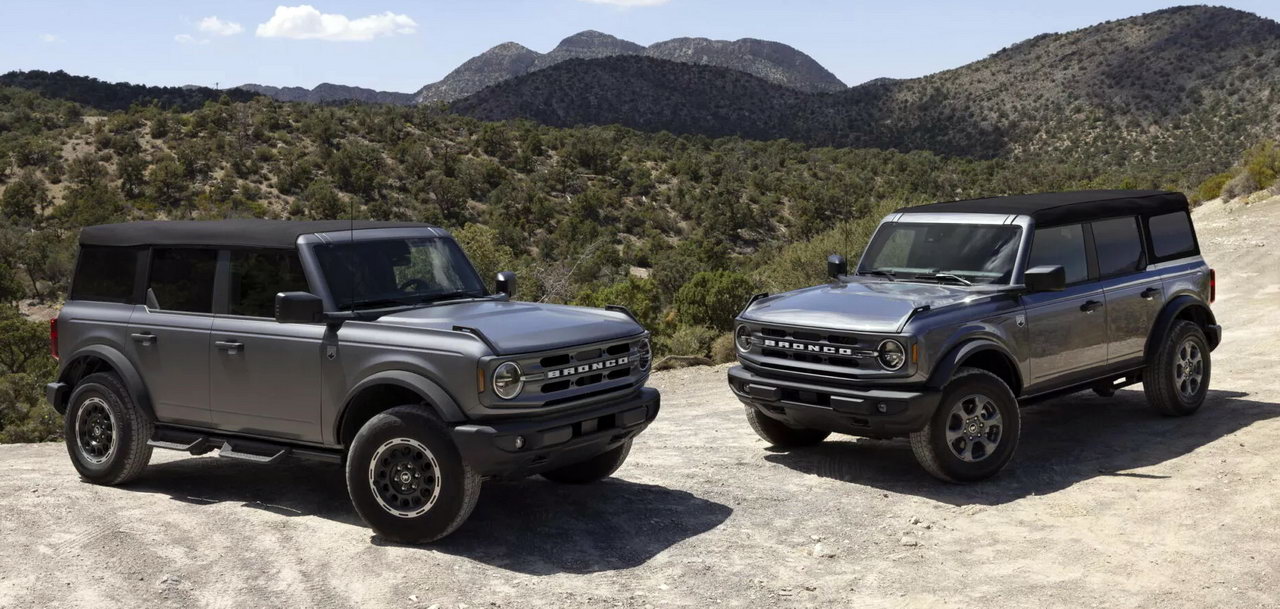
<point>432,394</point>
<point>119,363</point>
<point>1170,313</point>
<point>947,364</point>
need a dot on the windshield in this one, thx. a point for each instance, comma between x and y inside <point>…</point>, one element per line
<point>396,272</point>
<point>959,253</point>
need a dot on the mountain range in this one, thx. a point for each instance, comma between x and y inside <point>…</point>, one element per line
<point>772,61</point>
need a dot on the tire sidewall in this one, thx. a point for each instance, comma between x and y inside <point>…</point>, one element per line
<point>453,476</point>
<point>992,387</point>
<point>124,431</point>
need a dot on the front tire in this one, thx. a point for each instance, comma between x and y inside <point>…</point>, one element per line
<point>598,467</point>
<point>1176,380</point>
<point>974,432</point>
<point>106,432</point>
<point>407,479</point>
<point>780,434</point>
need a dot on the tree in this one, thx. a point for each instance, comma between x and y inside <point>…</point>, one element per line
<point>167,182</point>
<point>713,299</point>
<point>481,245</point>
<point>639,295</point>
<point>25,199</point>
<point>323,202</point>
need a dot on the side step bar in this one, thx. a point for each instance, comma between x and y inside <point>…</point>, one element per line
<point>255,451</point>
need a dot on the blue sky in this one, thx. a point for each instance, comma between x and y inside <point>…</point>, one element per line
<point>400,45</point>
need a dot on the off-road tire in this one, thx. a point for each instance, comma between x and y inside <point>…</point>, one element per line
<point>130,429</point>
<point>780,434</point>
<point>1159,380</point>
<point>596,468</point>
<point>459,485</point>
<point>930,444</point>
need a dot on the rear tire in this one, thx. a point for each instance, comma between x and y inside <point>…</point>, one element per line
<point>407,479</point>
<point>106,432</point>
<point>974,432</point>
<point>598,467</point>
<point>780,434</point>
<point>1176,379</point>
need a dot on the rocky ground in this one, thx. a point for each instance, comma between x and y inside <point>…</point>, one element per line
<point>1105,504</point>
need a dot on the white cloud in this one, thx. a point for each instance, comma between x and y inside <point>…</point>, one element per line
<point>305,22</point>
<point>189,39</point>
<point>49,38</point>
<point>627,3</point>
<point>218,27</point>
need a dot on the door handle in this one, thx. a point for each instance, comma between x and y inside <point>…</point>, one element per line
<point>1150,293</point>
<point>145,339</point>
<point>1090,306</point>
<point>230,346</point>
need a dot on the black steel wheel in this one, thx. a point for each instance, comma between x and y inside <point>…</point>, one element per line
<point>106,432</point>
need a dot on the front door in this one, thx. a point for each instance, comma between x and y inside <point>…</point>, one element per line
<point>1067,330</point>
<point>265,375</point>
<point>169,335</point>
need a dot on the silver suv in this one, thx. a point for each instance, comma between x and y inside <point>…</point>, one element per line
<point>960,312</point>
<point>370,344</point>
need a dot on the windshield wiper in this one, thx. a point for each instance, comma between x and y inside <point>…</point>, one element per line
<point>454,295</point>
<point>887,274</point>
<point>941,276</point>
<point>379,303</point>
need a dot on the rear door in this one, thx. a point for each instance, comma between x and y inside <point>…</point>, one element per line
<point>1133,294</point>
<point>265,375</point>
<point>169,333</point>
<point>1067,330</point>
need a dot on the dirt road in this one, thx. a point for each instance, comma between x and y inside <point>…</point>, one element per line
<point>1105,505</point>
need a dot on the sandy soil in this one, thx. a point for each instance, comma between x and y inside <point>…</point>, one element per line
<point>1105,505</point>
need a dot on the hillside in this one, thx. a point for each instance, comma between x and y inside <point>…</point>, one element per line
<point>115,96</point>
<point>774,62</point>
<point>325,93</point>
<point>1183,88</point>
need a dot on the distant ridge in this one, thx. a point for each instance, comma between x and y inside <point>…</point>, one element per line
<point>116,96</point>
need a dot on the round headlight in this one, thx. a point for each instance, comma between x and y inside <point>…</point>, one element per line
<point>742,338</point>
<point>644,355</point>
<point>507,380</point>
<point>891,354</point>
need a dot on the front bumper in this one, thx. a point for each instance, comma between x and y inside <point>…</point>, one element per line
<point>870,411</point>
<point>548,443</point>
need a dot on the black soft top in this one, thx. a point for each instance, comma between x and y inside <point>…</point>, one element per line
<point>1063,207</point>
<point>241,233</point>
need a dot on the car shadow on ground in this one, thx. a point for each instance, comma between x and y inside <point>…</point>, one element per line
<point>1064,441</point>
<point>529,526</point>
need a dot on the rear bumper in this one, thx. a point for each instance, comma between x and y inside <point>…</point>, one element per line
<point>548,443</point>
<point>864,411</point>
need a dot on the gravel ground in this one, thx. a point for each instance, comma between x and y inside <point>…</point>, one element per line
<point>1105,504</point>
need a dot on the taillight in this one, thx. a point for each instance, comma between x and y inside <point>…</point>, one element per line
<point>1213,285</point>
<point>53,337</point>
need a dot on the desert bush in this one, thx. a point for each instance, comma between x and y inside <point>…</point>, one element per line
<point>723,350</point>
<point>712,299</point>
<point>1212,187</point>
<point>1239,186</point>
<point>688,340</point>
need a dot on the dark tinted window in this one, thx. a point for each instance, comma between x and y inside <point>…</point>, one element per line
<point>1171,234</point>
<point>182,279</point>
<point>105,274</point>
<point>1118,245</point>
<point>256,277</point>
<point>1061,246</point>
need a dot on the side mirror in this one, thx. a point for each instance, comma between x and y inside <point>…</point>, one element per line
<point>837,266</point>
<point>298,308</point>
<point>1045,278</point>
<point>506,283</point>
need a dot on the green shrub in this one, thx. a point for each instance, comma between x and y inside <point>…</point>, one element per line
<point>712,299</point>
<point>636,294</point>
<point>688,340</point>
<point>722,349</point>
<point>1212,187</point>
<point>1262,163</point>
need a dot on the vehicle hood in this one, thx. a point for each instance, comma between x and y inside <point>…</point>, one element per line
<point>522,327</point>
<point>867,306</point>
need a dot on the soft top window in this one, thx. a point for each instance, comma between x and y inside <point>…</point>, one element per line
<point>1171,235</point>
<point>105,274</point>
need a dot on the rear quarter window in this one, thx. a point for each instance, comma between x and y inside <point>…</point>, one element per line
<point>105,274</point>
<point>1171,235</point>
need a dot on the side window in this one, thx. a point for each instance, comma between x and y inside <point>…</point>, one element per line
<point>182,279</point>
<point>1061,246</point>
<point>105,274</point>
<point>1171,235</point>
<point>256,277</point>
<point>1119,246</point>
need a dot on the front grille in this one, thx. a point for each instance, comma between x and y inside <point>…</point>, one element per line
<point>810,352</point>
<point>580,372</point>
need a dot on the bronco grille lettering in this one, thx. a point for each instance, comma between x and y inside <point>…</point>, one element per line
<point>816,348</point>
<point>585,368</point>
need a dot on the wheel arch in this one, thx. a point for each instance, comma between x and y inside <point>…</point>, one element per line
<point>386,390</point>
<point>981,353</point>
<point>1181,308</point>
<point>102,358</point>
